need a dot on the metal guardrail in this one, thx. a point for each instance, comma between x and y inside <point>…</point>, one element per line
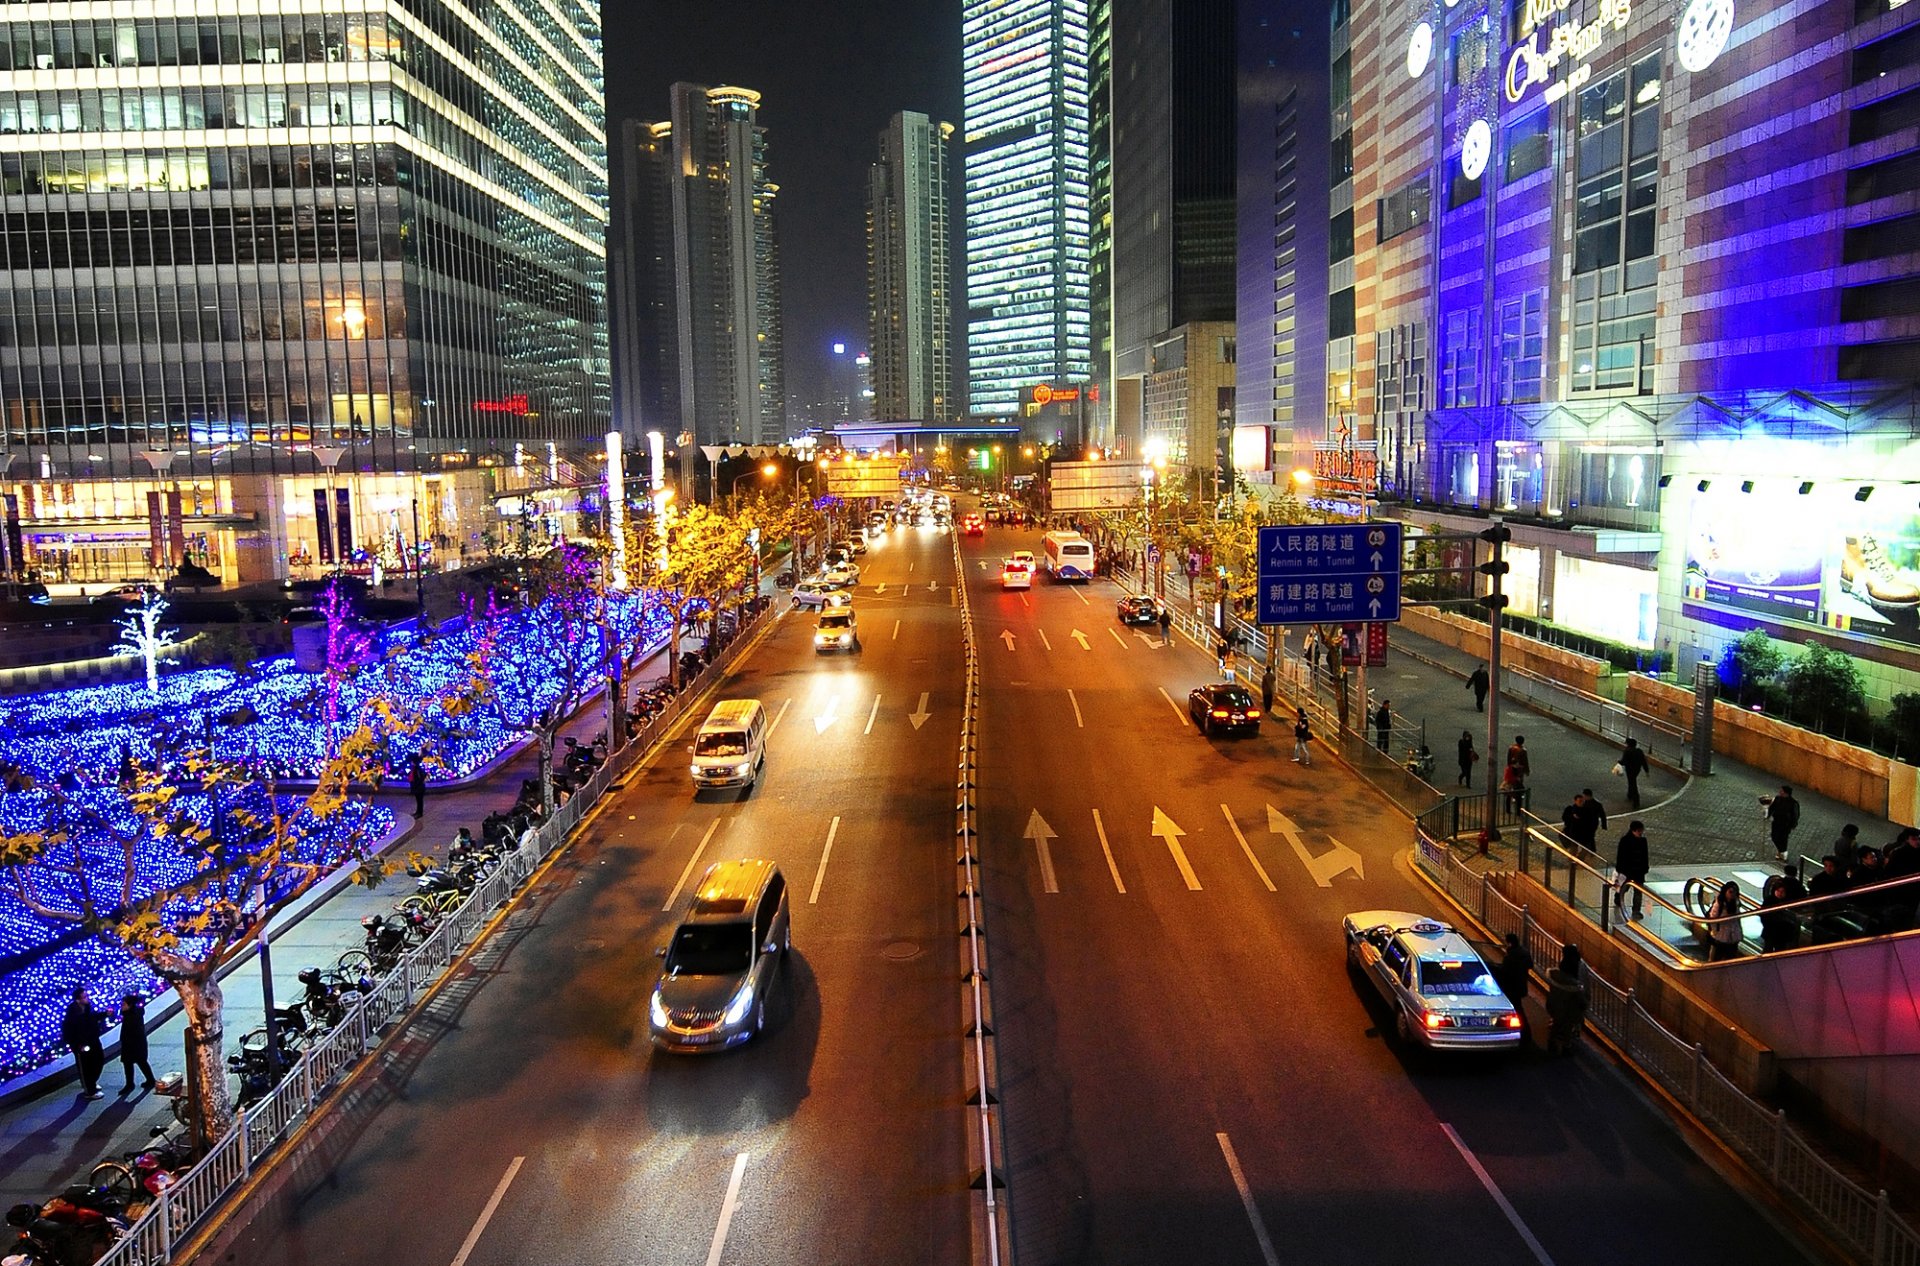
<point>303,1092</point>
<point>1857,1218</point>
<point>967,828</point>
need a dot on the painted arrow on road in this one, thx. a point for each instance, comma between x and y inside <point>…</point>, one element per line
<point>1168,830</point>
<point>880,588</point>
<point>1081,638</point>
<point>1324,867</point>
<point>932,585</point>
<point>1007,637</point>
<point>1039,832</point>
<point>920,714</point>
<point>1154,642</point>
<point>827,718</point>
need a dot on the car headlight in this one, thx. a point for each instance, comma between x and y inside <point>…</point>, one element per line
<point>744,767</point>
<point>737,1009</point>
<point>658,1010</point>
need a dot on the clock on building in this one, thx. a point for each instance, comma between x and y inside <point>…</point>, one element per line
<point>1419,50</point>
<point>1476,149</point>
<point>1704,29</point>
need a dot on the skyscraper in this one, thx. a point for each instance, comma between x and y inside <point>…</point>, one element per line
<point>646,375</point>
<point>1025,83</point>
<point>910,272</point>
<point>297,288</point>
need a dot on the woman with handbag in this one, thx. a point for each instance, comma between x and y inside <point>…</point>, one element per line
<point>1723,931</point>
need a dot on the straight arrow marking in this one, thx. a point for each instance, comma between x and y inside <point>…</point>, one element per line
<point>1246,848</point>
<point>920,714</point>
<point>1039,832</point>
<point>1168,830</point>
<point>1171,704</point>
<point>1075,701</point>
<point>827,718</point>
<point>1006,636</point>
<point>1081,638</point>
<point>880,588</point>
<point>1112,867</point>
<point>1043,638</point>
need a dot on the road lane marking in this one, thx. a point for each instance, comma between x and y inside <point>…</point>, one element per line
<point>1073,699</point>
<point>1121,640</point>
<point>826,719</point>
<point>1039,832</point>
<point>833,829</point>
<point>778,719</point>
<point>1023,602</point>
<point>920,714</point>
<point>693,861</point>
<point>1043,638</point>
<point>1171,704</point>
<point>1100,827</point>
<point>1169,830</point>
<point>896,630</point>
<point>486,1214</point>
<point>1246,848</point>
<point>726,1210</point>
<point>1083,597</point>
<point>872,714</point>
<point>1246,1198</point>
<point>1499,1197</point>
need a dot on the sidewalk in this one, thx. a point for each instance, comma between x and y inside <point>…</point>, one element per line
<point>53,1137</point>
<point>1695,824</point>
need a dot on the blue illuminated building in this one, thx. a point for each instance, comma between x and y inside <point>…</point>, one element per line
<point>1025,66</point>
<point>1640,277</point>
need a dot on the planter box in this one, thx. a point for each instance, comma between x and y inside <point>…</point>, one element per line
<point>1582,672</point>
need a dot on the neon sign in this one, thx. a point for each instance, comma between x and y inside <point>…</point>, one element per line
<point>1531,64</point>
<point>512,404</point>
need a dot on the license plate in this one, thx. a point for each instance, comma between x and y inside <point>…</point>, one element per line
<point>697,1039</point>
<point>1475,1021</point>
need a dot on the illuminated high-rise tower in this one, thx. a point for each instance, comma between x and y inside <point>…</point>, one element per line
<point>909,273</point>
<point>1025,69</point>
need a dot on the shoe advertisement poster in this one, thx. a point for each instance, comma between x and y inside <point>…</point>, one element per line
<point>1828,558</point>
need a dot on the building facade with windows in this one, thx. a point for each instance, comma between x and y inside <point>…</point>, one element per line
<point>1025,146</point>
<point>910,273</point>
<point>1644,279</point>
<point>295,288</point>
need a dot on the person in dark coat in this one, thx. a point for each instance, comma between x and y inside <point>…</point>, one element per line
<point>417,784</point>
<point>1596,814</point>
<point>1383,724</point>
<point>1630,863</point>
<point>1783,815</point>
<point>1633,763</point>
<point>1478,683</point>
<point>1515,973</point>
<point>133,1042</point>
<point>1467,758</point>
<point>80,1030</point>
<point>1779,929</point>
<point>1830,881</point>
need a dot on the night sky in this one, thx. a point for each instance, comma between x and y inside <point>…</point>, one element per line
<point>830,75</point>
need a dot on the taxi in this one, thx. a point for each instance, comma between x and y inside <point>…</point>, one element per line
<point>1442,993</point>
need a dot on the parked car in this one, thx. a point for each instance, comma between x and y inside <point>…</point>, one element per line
<point>1442,993</point>
<point>840,575</point>
<point>1140,609</point>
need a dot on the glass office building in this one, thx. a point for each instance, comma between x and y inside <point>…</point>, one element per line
<point>295,288</point>
<point>1025,66</point>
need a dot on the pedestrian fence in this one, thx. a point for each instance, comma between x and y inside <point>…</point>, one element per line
<point>303,1093</point>
<point>1857,1218</point>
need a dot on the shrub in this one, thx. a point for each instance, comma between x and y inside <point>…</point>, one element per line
<point>1824,688</point>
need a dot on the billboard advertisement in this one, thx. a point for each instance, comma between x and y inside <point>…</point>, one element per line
<point>875,477</point>
<point>1093,485</point>
<point>1844,557</point>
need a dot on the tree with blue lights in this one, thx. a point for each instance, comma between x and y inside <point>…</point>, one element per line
<point>141,634</point>
<point>180,863</point>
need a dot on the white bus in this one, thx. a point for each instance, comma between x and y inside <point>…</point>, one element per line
<point>1069,556</point>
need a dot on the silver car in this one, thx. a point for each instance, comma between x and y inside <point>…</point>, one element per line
<point>1443,995</point>
<point>724,960</point>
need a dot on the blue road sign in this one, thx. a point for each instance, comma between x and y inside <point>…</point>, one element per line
<point>1329,573</point>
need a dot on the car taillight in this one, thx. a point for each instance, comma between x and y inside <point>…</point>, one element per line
<point>1510,1020</point>
<point>1221,712</point>
<point>1436,1020</point>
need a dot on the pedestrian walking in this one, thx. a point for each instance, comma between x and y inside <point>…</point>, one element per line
<point>1468,757</point>
<point>1723,936</point>
<point>1783,814</point>
<point>1566,1002</point>
<point>1517,757</point>
<point>1596,814</point>
<point>80,1030</point>
<point>1632,763</point>
<point>1383,724</point>
<point>1515,972</point>
<point>1479,683</point>
<point>133,1042</point>
<point>1166,626</point>
<point>1573,822</point>
<point>1302,738</point>
<point>1513,782</point>
<point>417,783</point>
<point>1630,866</point>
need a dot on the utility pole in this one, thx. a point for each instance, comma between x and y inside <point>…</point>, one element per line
<point>1495,601</point>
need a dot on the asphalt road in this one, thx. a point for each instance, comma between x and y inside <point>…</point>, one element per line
<point>1188,1072</point>
<point>524,1119</point>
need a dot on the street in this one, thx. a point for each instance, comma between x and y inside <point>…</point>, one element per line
<point>1187,1070</point>
<point>1189,1073</point>
<point>840,1127</point>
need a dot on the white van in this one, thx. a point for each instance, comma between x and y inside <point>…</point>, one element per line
<point>730,748</point>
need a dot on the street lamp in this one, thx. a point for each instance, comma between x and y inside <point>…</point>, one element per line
<point>767,471</point>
